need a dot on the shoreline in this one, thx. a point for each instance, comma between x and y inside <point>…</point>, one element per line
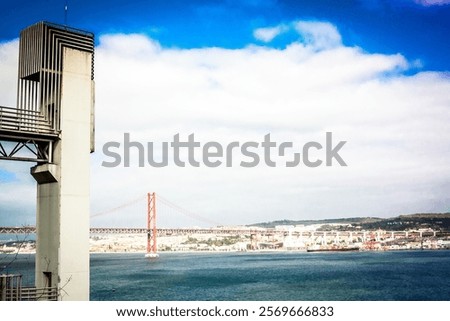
<point>245,252</point>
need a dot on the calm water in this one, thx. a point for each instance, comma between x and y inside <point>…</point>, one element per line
<point>406,275</point>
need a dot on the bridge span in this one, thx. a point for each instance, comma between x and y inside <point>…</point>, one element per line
<point>364,235</point>
<point>138,230</point>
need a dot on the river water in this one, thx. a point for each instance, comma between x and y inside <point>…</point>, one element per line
<point>403,275</point>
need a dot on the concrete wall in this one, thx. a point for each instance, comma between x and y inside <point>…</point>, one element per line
<point>63,187</point>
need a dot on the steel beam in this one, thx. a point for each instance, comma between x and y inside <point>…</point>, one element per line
<point>26,150</point>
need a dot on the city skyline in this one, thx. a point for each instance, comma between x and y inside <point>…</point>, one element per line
<point>374,73</point>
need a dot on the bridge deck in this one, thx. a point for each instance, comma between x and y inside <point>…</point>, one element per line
<point>24,124</point>
<point>25,135</point>
<point>188,231</point>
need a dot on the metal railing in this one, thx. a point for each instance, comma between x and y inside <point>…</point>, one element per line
<point>39,294</point>
<point>11,290</point>
<point>29,121</point>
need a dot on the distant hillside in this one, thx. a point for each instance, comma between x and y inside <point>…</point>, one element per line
<point>436,221</point>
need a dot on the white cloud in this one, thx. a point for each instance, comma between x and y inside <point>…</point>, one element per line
<point>317,35</point>
<point>396,128</point>
<point>9,52</point>
<point>17,196</point>
<point>320,35</point>
<point>268,34</point>
<point>428,3</point>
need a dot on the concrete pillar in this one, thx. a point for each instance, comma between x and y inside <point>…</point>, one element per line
<point>62,254</point>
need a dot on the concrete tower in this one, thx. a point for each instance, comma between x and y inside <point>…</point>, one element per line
<point>55,112</point>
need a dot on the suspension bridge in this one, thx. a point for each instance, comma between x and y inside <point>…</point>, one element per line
<point>165,207</point>
<point>148,203</point>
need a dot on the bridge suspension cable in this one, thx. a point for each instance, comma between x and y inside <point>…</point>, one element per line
<point>186,212</point>
<point>170,207</point>
<point>122,206</point>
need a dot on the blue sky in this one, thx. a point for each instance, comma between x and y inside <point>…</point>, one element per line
<point>375,73</point>
<point>387,26</point>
